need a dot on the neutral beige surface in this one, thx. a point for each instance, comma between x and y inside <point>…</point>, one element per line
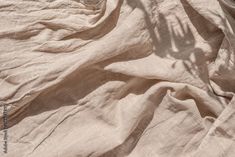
<point>118,78</point>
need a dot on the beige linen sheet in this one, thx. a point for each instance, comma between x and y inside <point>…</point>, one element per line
<point>117,78</point>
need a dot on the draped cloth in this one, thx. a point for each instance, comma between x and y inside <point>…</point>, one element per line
<point>117,78</point>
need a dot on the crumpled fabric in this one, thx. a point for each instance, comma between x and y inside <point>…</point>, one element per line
<point>118,78</point>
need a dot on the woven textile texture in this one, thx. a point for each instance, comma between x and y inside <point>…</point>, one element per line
<point>117,78</point>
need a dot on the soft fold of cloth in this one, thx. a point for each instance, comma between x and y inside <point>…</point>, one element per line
<point>117,78</point>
